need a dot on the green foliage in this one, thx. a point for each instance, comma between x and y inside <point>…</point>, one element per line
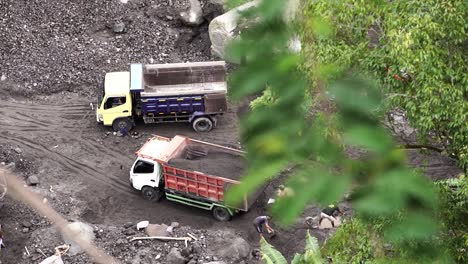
<point>353,242</point>
<point>453,211</point>
<point>281,135</point>
<point>424,39</point>
<point>311,253</point>
<point>270,255</point>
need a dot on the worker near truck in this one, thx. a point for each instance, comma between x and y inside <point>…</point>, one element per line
<point>261,221</point>
<point>328,213</point>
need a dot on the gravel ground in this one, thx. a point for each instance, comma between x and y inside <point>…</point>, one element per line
<point>62,45</point>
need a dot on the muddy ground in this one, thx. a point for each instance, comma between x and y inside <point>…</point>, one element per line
<point>52,56</point>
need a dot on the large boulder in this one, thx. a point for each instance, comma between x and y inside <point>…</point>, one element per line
<point>223,29</point>
<point>79,230</point>
<point>229,246</point>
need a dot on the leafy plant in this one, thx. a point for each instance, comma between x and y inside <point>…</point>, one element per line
<point>311,253</point>
<point>280,135</point>
<point>415,49</point>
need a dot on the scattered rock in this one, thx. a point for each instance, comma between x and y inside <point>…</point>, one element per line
<point>26,224</point>
<point>157,230</point>
<point>227,245</point>
<point>175,224</point>
<point>32,180</point>
<point>186,251</point>
<point>128,225</point>
<point>142,224</point>
<point>119,27</point>
<point>25,230</point>
<point>170,229</point>
<point>18,150</point>
<point>175,257</point>
<point>129,232</point>
<point>193,16</point>
<point>215,262</point>
<point>84,231</point>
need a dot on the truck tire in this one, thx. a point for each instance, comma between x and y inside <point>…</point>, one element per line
<point>221,214</point>
<point>122,123</point>
<point>202,124</point>
<point>151,194</point>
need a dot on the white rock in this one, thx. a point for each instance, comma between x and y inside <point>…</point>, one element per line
<point>194,16</point>
<point>142,224</point>
<point>82,231</point>
<point>222,29</point>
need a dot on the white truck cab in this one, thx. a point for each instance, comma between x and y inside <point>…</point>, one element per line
<point>145,176</point>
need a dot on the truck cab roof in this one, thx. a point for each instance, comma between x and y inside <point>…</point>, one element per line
<point>117,83</point>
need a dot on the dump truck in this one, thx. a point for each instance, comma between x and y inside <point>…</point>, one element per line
<point>160,93</point>
<point>190,172</point>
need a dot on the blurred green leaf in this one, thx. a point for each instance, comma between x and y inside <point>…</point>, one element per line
<point>368,137</point>
<point>270,255</point>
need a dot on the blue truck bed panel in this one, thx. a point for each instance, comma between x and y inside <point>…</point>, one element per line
<point>172,105</point>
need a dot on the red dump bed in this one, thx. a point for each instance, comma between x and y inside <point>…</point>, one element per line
<point>197,169</point>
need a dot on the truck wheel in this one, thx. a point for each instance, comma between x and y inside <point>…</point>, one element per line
<point>221,214</point>
<point>202,124</point>
<point>122,123</point>
<point>151,194</point>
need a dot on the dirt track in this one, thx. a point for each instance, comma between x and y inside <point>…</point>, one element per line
<point>76,157</point>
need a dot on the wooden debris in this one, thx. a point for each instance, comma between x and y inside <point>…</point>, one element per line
<point>162,238</point>
<point>192,236</point>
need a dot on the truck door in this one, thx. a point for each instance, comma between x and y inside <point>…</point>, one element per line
<point>145,172</point>
<point>115,107</point>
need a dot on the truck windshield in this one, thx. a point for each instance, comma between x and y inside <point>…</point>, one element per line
<point>143,167</point>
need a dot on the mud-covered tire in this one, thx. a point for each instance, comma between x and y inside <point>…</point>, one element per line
<point>122,123</point>
<point>221,214</point>
<point>151,194</point>
<point>202,124</point>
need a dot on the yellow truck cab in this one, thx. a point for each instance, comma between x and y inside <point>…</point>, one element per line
<point>116,105</point>
<point>192,92</point>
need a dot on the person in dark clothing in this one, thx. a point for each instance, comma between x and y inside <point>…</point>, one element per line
<point>328,213</point>
<point>261,221</point>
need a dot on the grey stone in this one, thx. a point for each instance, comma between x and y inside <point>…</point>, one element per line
<point>215,262</point>
<point>175,224</point>
<point>25,230</point>
<point>128,225</point>
<point>18,150</point>
<point>129,232</point>
<point>119,27</point>
<point>229,246</point>
<point>157,230</point>
<point>223,29</point>
<point>33,180</point>
<point>186,251</point>
<point>26,224</point>
<point>83,231</point>
<point>174,257</point>
<point>194,16</point>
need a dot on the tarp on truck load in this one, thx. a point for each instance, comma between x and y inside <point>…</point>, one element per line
<point>179,78</point>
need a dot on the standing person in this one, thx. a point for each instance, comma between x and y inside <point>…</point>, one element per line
<point>328,213</point>
<point>259,222</point>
